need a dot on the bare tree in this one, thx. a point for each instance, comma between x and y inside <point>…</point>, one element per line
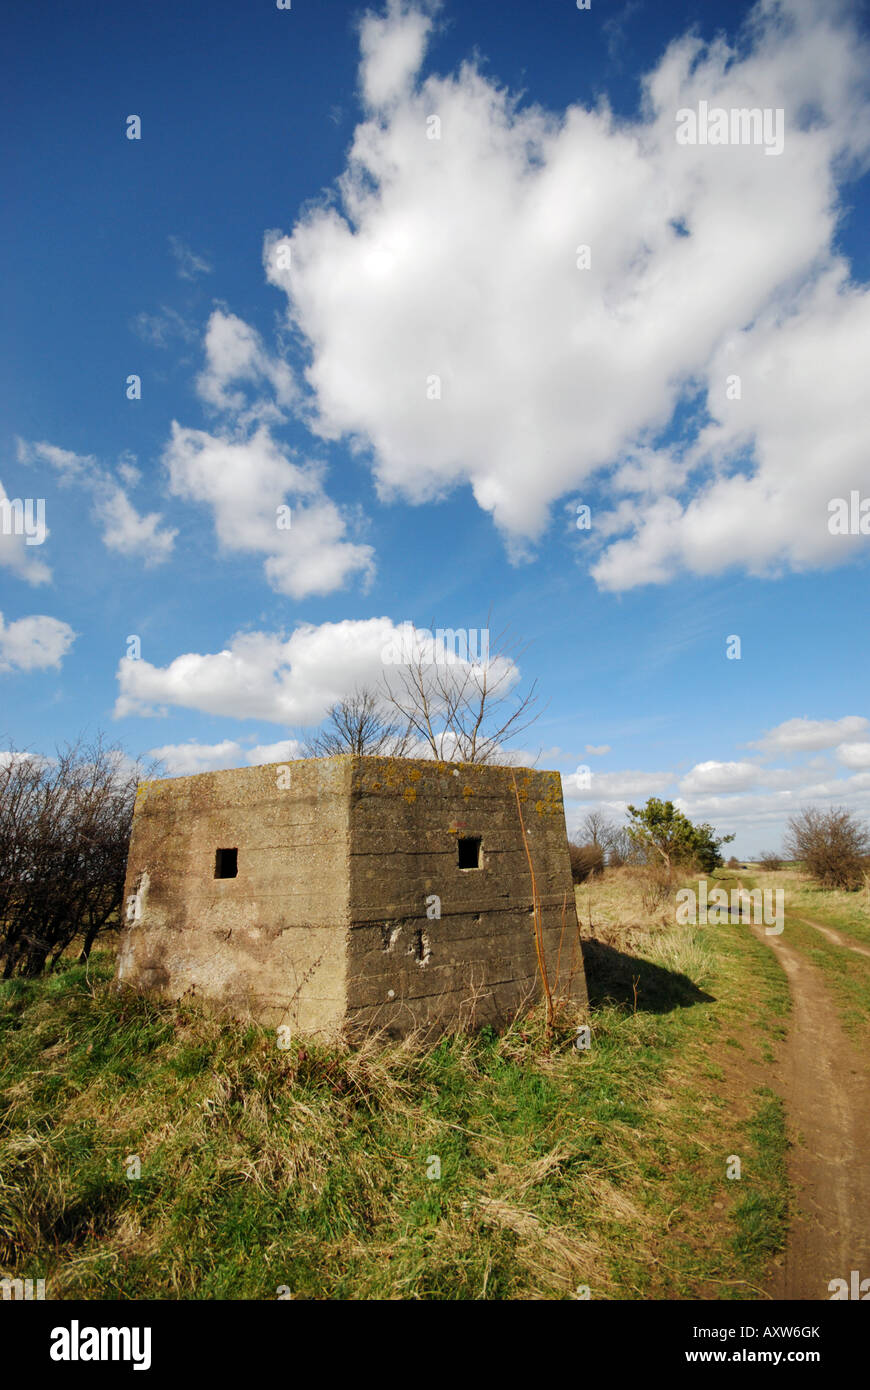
<point>621,849</point>
<point>64,834</point>
<point>597,829</point>
<point>360,724</point>
<point>461,710</point>
<point>21,776</point>
<point>770,860</point>
<point>834,845</point>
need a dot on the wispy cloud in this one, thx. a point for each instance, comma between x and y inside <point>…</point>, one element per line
<point>809,735</point>
<point>125,529</point>
<point>159,329</point>
<point>188,264</point>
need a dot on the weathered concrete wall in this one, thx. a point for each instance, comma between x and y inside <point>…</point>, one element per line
<point>270,942</point>
<point>326,926</point>
<point>476,963</point>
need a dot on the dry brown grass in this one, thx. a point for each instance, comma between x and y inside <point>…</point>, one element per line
<point>558,1169</point>
<point>615,908</point>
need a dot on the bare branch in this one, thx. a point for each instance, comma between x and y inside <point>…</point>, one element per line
<point>360,724</point>
<point>461,711</point>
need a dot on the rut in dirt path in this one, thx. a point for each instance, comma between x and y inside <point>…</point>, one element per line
<point>834,936</point>
<point>827,1094</point>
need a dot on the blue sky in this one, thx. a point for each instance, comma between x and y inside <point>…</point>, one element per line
<point>293,250</point>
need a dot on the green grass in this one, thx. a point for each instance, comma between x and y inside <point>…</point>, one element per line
<point>846,975</point>
<point>307,1168</point>
<point>846,912</point>
<point>761,1212</point>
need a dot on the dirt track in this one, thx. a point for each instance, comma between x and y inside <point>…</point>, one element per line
<point>835,937</point>
<point>827,1092</point>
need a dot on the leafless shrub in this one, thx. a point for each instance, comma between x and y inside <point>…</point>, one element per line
<point>769,860</point>
<point>361,724</point>
<point>621,849</point>
<point>64,833</point>
<point>586,861</point>
<point>833,845</point>
<point>657,885</point>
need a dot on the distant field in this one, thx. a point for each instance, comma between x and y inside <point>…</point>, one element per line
<point>314,1169</point>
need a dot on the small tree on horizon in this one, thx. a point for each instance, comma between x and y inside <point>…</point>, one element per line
<point>665,833</point>
<point>770,860</point>
<point>596,828</point>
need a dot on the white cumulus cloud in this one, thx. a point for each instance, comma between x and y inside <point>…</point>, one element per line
<point>809,735</point>
<point>246,482</point>
<point>615,786</point>
<point>712,777</point>
<point>392,47</point>
<point>34,643</point>
<point>451,333</point>
<point>185,759</point>
<point>236,355</point>
<point>284,680</point>
<point>855,755</point>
